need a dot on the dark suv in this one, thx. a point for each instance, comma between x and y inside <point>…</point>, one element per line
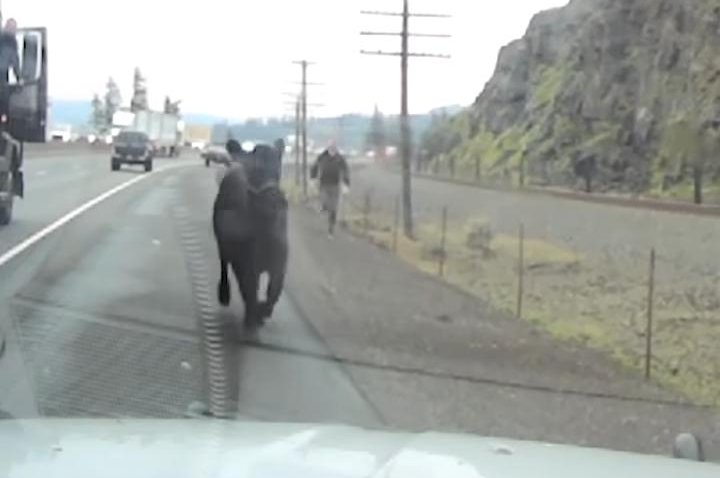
<point>132,147</point>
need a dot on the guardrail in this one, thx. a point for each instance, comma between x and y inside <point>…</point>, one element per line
<point>34,150</point>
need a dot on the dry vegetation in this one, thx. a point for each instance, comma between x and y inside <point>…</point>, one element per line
<point>600,302</point>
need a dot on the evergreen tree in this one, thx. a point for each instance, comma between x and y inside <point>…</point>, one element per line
<point>140,97</point>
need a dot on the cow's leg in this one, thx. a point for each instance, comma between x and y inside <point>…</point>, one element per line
<point>223,290</point>
<point>277,277</point>
<point>275,288</point>
<point>252,312</point>
<point>248,282</point>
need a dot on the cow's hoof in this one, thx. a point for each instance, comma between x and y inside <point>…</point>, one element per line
<point>254,322</point>
<point>265,311</point>
<point>224,294</point>
<point>251,323</point>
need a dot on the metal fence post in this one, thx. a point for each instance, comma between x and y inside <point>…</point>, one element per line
<point>521,270</point>
<point>649,328</point>
<point>366,214</point>
<point>443,237</point>
<point>396,224</point>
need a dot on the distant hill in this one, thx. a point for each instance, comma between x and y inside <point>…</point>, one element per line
<point>203,119</point>
<point>450,110</point>
<point>350,129</point>
<point>77,114</point>
<point>69,112</point>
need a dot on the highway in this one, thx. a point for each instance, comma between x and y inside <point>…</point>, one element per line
<point>107,306</point>
<point>102,318</point>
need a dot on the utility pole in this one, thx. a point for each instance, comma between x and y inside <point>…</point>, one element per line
<point>303,115</point>
<point>296,105</point>
<point>296,147</point>
<point>297,141</point>
<point>300,139</point>
<point>340,135</point>
<point>303,120</point>
<point>405,54</point>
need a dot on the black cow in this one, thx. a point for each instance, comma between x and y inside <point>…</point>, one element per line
<point>250,225</point>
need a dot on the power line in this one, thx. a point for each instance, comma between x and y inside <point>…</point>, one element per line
<point>397,34</point>
<point>405,54</point>
<point>400,14</point>
<point>309,105</point>
<point>416,55</point>
<point>308,83</point>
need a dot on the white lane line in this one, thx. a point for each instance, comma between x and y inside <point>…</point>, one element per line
<point>41,173</point>
<point>43,233</point>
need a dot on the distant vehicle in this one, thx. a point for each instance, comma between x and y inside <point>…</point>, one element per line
<point>61,134</point>
<point>197,136</point>
<point>132,147</point>
<point>164,130</point>
<point>215,154</point>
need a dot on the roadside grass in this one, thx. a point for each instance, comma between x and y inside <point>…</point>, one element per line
<point>600,302</point>
<point>685,192</point>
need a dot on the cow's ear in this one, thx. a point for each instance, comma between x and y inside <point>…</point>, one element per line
<point>233,147</point>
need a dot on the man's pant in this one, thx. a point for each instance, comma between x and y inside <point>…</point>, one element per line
<point>329,199</point>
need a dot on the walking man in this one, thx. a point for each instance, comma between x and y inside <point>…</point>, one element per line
<point>9,59</point>
<point>331,171</point>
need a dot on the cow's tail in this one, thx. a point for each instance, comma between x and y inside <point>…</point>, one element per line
<point>224,284</point>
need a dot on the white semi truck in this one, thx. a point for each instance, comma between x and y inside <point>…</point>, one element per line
<point>164,130</point>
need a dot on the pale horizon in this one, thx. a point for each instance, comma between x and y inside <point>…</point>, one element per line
<point>226,60</point>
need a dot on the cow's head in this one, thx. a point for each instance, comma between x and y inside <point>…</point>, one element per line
<point>233,147</point>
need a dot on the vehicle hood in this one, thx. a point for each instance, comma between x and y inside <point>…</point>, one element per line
<point>219,448</point>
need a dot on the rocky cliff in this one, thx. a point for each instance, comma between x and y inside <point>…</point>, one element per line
<point>627,91</point>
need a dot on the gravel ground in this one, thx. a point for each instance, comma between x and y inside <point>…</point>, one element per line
<point>429,356</point>
<point>601,300</point>
<point>686,244</point>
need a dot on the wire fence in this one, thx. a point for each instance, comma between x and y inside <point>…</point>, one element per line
<point>637,309</point>
<point>680,197</point>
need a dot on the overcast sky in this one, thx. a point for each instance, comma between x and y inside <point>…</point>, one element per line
<point>234,57</point>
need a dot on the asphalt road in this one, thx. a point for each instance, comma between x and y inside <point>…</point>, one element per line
<point>113,314</point>
<point>107,316</point>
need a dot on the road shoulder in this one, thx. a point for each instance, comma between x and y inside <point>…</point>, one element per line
<point>456,364</point>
